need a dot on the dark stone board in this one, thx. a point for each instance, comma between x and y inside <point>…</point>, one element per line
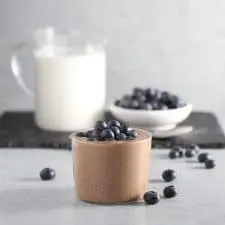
<point>17,129</point>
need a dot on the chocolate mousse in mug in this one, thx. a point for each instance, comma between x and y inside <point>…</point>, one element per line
<point>70,78</point>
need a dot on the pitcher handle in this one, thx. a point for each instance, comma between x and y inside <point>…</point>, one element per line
<point>16,67</point>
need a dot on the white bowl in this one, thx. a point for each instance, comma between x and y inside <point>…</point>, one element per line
<point>153,119</point>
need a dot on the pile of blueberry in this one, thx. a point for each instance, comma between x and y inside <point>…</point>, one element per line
<point>109,131</point>
<point>191,151</point>
<point>149,99</point>
<point>152,197</point>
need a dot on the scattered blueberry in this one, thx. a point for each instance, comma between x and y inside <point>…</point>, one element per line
<point>169,191</point>
<point>47,174</point>
<point>179,149</point>
<point>169,175</point>
<point>173,154</point>
<point>151,198</point>
<point>202,157</point>
<point>190,153</point>
<point>210,163</point>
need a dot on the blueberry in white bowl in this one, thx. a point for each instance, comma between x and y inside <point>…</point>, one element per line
<point>152,108</point>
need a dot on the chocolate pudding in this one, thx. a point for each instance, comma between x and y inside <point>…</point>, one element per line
<point>111,171</point>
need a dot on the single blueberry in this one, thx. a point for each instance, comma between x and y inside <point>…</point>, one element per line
<point>121,137</point>
<point>116,130</point>
<point>157,94</point>
<point>163,107</point>
<point>194,147</point>
<point>81,134</point>
<point>134,104</point>
<point>130,138</point>
<point>179,149</point>
<point>94,134</point>
<point>47,174</point>
<point>89,134</point>
<point>155,105</point>
<point>169,191</point>
<point>145,106</point>
<point>149,94</point>
<point>126,97</point>
<point>113,123</point>
<point>169,175</point>
<point>210,163</point>
<point>91,139</point>
<point>100,125</point>
<point>151,198</point>
<point>139,97</point>
<point>202,157</point>
<point>107,134</point>
<point>117,103</point>
<point>190,153</point>
<point>132,133</point>
<point>138,91</point>
<point>125,103</point>
<point>173,154</point>
<point>125,129</point>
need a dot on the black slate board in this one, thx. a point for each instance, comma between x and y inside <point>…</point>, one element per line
<point>17,129</point>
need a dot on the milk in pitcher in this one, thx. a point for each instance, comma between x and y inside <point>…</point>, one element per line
<point>69,89</point>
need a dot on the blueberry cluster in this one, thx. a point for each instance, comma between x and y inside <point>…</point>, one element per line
<point>149,99</point>
<point>191,151</point>
<point>109,131</point>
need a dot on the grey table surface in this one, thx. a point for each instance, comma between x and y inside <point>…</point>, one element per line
<point>25,199</point>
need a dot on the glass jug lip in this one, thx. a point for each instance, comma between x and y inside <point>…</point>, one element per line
<point>70,40</point>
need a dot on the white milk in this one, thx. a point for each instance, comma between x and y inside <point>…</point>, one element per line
<point>69,90</point>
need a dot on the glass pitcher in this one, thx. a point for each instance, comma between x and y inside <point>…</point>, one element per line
<point>70,79</point>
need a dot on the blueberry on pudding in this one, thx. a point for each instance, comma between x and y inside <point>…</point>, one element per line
<point>112,130</point>
<point>149,99</point>
<point>111,163</point>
